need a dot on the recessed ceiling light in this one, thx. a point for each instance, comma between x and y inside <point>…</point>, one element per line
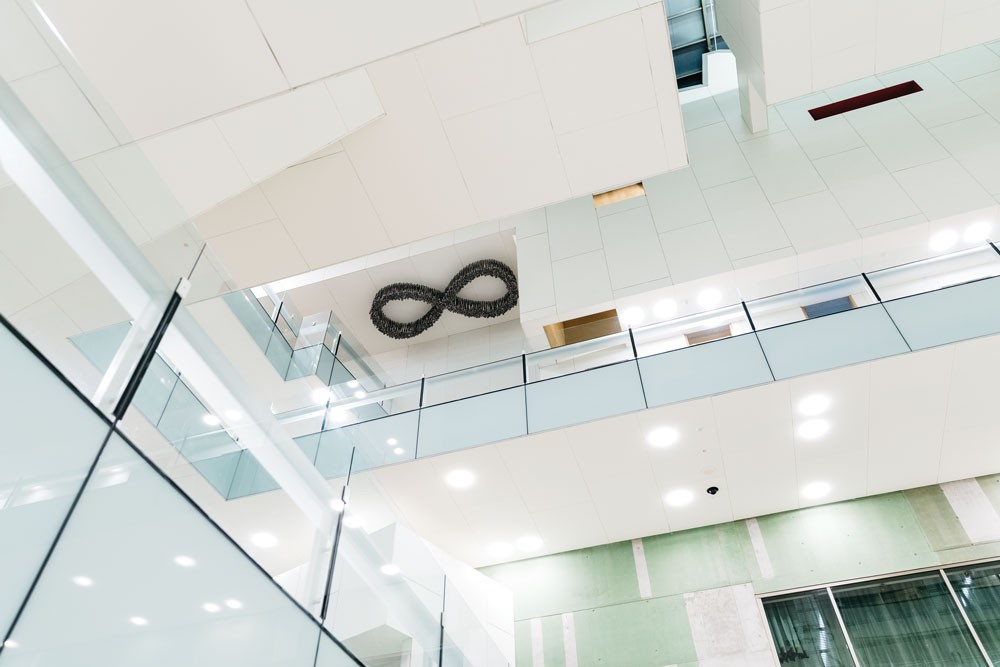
<point>340,416</point>
<point>234,415</point>
<point>359,394</point>
<point>815,490</point>
<point>352,521</point>
<point>528,543</point>
<point>390,569</point>
<point>264,540</point>
<point>10,643</point>
<point>663,436</point>
<point>185,561</point>
<point>632,316</point>
<point>211,420</point>
<point>234,604</point>
<point>943,240</point>
<point>392,442</point>
<point>814,404</point>
<point>399,451</point>
<point>679,498</point>
<point>211,607</point>
<point>460,479</point>
<point>977,232</point>
<point>813,428</point>
<point>85,582</point>
<point>709,297</point>
<point>499,549</point>
<point>138,620</point>
<point>337,505</point>
<point>321,395</point>
<point>353,384</point>
<point>664,309</point>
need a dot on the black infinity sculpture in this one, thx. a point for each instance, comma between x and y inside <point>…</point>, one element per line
<point>446,300</point>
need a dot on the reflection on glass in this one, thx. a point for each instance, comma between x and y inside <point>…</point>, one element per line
<point>806,632</point>
<point>909,621</point>
<point>691,330</point>
<point>978,589</point>
<point>810,303</point>
<point>937,272</point>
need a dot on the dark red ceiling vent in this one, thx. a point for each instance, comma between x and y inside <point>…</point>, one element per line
<point>866,100</point>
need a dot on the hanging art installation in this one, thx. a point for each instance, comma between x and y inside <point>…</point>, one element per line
<point>448,299</point>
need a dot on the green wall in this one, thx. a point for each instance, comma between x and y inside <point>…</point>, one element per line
<point>614,625</point>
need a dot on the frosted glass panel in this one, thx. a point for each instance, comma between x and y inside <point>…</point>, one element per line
<point>831,342</point>
<point>703,370</point>
<point>113,593</point>
<point>43,461</point>
<point>330,654</point>
<point>948,315</point>
<point>582,397</point>
<point>472,421</point>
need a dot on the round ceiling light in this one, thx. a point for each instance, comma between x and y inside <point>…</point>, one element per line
<point>528,543</point>
<point>211,420</point>
<point>709,297</point>
<point>264,540</point>
<point>663,436</point>
<point>185,561</point>
<point>211,607</point>
<point>679,498</point>
<point>390,569</point>
<point>460,479</point>
<point>83,582</point>
<point>632,316</point>
<point>815,490</point>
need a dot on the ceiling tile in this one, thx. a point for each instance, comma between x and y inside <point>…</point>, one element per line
<point>66,115</point>
<point>326,210</point>
<point>22,49</point>
<point>18,292</point>
<point>197,165</point>
<point>185,60</point>
<point>510,144</point>
<point>314,39</point>
<point>493,482</point>
<point>274,133</point>
<point>532,463</point>
<point>596,73</point>
<point>405,161</point>
<point>355,98</point>
<point>614,153</point>
<point>142,190</point>
<point>244,210</point>
<point>258,254</point>
<point>478,69</point>
<point>569,527</point>
<point>89,304</point>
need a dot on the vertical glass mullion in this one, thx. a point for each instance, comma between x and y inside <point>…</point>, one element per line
<point>843,628</point>
<point>965,617</point>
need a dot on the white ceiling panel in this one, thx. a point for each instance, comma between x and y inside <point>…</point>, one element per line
<point>22,49</point>
<point>562,16</point>
<point>478,69</point>
<point>508,156</point>
<point>89,304</point>
<point>596,73</point>
<point>355,98</point>
<point>491,10</point>
<point>405,161</point>
<point>258,254</point>
<point>569,527</point>
<point>661,67</point>
<point>970,438</point>
<point>756,436</point>
<point>313,39</point>
<point>244,210</point>
<point>271,134</point>
<point>69,119</point>
<point>531,462</point>
<point>630,505</point>
<point>616,152</point>
<point>593,443</point>
<point>163,64</point>
<point>18,292</point>
<point>197,165</point>
<point>326,210</point>
<point>493,483</point>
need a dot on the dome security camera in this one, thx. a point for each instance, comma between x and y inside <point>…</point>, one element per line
<point>712,490</point>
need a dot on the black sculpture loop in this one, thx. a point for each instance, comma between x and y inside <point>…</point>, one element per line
<point>446,300</point>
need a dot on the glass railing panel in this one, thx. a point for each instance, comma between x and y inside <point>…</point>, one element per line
<point>279,353</point>
<point>304,362</point>
<point>978,591</point>
<point>332,654</point>
<point>472,381</point>
<point>251,315</point>
<point>578,357</point>
<point>467,641</point>
<point>473,421</point>
<point>831,341</point>
<point>810,303</point>
<point>155,390</point>
<point>583,397</point>
<point>691,330</point>
<point>374,443</point>
<point>386,595</point>
<point>43,462</point>
<point>947,315</point>
<point>250,478</point>
<point>932,274</point>
<point>140,577</point>
<point>906,621</point>
<point>100,345</point>
<point>704,370</point>
<point>325,365</point>
<point>805,630</point>
<point>215,455</point>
